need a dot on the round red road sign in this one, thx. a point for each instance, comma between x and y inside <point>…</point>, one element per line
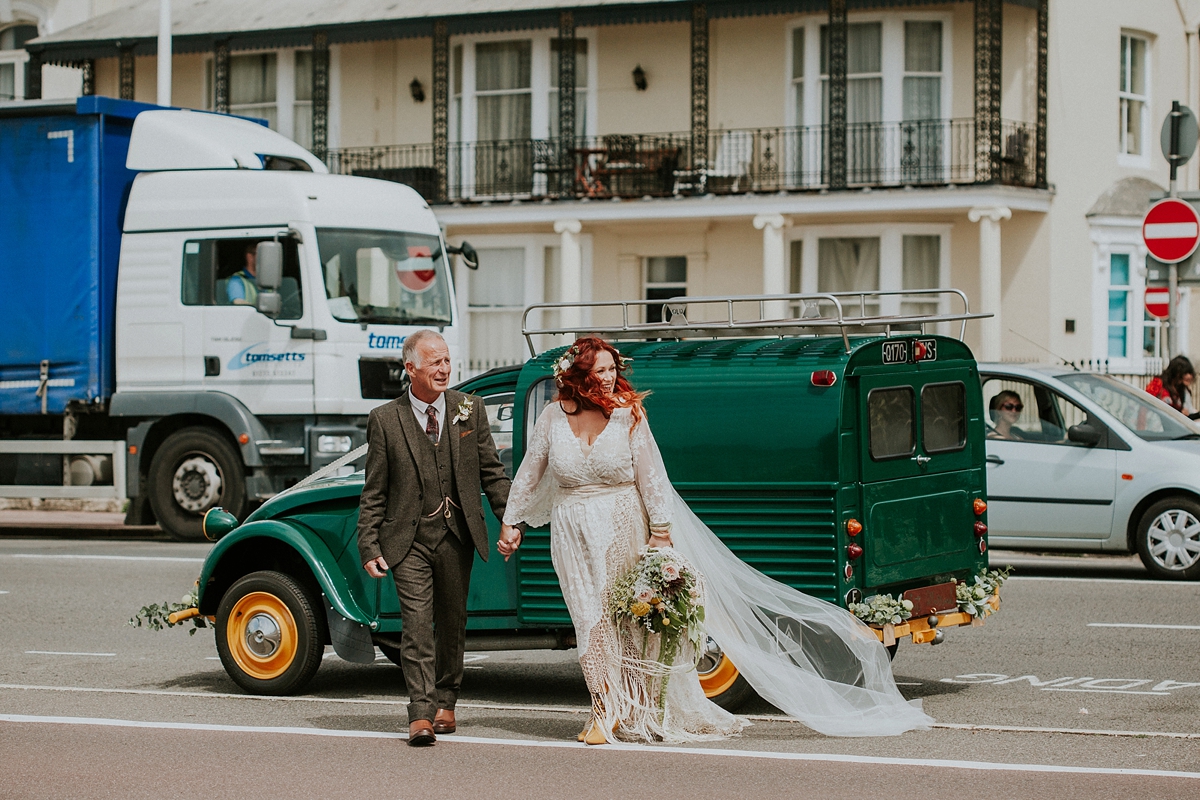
<point>1158,302</point>
<point>1171,230</point>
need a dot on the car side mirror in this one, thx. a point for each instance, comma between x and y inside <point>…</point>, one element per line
<point>269,266</point>
<point>469,254</point>
<point>1084,433</point>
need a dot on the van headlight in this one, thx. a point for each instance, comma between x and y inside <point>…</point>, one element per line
<point>333,444</point>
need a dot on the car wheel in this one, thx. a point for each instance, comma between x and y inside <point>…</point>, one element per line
<point>720,679</point>
<point>1168,539</point>
<point>194,470</point>
<point>268,634</point>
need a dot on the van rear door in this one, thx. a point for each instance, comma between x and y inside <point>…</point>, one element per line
<point>918,480</point>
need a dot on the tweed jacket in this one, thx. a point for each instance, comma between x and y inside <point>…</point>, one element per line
<point>392,496</point>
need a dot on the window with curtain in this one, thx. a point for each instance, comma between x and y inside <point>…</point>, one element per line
<point>503,107</point>
<point>13,58</point>
<point>864,97</point>
<point>1133,95</point>
<point>252,87</point>
<point>666,277</point>
<point>302,103</point>
<point>921,135</point>
<point>921,269</point>
<point>850,264</point>
<point>581,87</point>
<point>495,302</point>
<point>1118,305</point>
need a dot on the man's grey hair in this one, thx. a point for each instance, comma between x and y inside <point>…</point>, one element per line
<point>411,353</point>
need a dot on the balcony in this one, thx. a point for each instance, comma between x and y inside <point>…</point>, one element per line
<point>736,161</point>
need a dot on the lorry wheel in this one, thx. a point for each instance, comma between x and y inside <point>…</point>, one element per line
<point>268,634</point>
<point>720,679</point>
<point>194,470</point>
<point>1168,539</point>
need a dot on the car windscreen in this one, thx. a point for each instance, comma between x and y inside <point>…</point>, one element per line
<point>1147,417</point>
<point>387,277</point>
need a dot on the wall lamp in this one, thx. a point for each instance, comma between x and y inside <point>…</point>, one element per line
<point>418,91</point>
<point>639,78</point>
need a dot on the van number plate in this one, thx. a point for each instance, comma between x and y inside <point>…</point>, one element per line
<point>905,351</point>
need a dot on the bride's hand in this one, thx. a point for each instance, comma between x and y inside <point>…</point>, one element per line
<point>510,540</point>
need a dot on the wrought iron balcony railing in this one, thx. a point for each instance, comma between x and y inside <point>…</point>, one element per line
<point>882,154</point>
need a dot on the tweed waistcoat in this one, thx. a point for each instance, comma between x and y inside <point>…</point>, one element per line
<point>436,460</point>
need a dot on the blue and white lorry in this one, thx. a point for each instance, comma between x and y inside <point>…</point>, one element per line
<point>193,311</point>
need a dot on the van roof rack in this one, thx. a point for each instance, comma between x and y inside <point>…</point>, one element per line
<point>820,313</point>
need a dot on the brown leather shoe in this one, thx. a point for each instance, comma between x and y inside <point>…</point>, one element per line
<point>420,733</point>
<point>443,721</point>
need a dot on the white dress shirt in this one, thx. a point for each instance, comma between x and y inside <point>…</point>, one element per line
<point>439,407</point>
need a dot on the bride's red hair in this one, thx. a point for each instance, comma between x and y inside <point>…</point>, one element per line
<point>578,385</point>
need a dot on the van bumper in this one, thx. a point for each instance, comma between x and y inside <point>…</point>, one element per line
<point>921,632</point>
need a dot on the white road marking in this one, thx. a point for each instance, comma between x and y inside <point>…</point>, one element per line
<point>1143,625</point>
<point>641,749</point>
<point>3,592</point>
<point>74,557</point>
<point>902,683</point>
<point>1103,691</point>
<point>403,701</point>
<point>1134,581</point>
<point>58,653</point>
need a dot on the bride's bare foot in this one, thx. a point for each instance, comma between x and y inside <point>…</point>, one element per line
<point>595,733</point>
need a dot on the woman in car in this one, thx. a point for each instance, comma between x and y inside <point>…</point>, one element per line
<point>1174,386</point>
<point>1005,409</point>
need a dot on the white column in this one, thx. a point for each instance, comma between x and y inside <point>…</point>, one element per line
<point>571,262</point>
<point>774,272</point>
<point>164,52</point>
<point>990,287</point>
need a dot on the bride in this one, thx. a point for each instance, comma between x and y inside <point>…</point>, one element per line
<point>594,472</point>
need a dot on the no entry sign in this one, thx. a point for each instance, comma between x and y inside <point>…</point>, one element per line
<point>1158,302</point>
<point>1171,230</point>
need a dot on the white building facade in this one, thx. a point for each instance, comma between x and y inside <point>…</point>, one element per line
<point>1006,148</point>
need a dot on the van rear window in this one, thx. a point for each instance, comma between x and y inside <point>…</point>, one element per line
<point>890,414</point>
<point>943,417</point>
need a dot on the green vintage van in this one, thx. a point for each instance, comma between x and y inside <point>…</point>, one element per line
<point>841,454</point>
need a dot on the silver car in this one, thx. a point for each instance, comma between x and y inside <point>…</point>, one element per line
<point>1081,461</point>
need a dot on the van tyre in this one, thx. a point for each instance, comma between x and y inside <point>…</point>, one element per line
<point>720,679</point>
<point>269,634</point>
<point>194,470</point>
<point>1168,539</point>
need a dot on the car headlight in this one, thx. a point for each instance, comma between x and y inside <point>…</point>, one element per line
<point>333,444</point>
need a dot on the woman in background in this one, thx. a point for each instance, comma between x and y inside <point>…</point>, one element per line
<point>1174,386</point>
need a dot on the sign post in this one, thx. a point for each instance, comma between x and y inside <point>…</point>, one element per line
<point>1178,139</point>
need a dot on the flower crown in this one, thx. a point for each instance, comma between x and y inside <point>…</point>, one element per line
<point>567,360</point>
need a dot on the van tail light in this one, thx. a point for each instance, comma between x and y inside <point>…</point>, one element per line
<point>980,529</point>
<point>853,527</point>
<point>978,506</point>
<point>982,546</point>
<point>853,551</point>
<point>824,377</point>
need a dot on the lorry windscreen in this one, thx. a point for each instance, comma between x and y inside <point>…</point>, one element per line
<point>387,277</point>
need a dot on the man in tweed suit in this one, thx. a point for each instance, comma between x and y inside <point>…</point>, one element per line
<point>431,454</point>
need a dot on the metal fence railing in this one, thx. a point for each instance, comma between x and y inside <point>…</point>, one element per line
<point>878,154</point>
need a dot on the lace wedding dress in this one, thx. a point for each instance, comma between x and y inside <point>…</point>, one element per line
<point>599,501</point>
<point>813,660</point>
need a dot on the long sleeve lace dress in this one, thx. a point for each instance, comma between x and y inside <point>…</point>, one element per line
<point>599,501</point>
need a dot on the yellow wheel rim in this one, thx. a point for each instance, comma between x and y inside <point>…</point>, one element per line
<point>262,637</point>
<point>719,679</point>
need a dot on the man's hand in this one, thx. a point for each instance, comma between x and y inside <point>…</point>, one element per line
<point>376,567</point>
<point>510,540</point>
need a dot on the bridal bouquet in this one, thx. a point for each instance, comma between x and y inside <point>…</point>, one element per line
<point>661,593</point>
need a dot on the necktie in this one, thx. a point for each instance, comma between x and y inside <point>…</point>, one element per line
<point>431,427</point>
